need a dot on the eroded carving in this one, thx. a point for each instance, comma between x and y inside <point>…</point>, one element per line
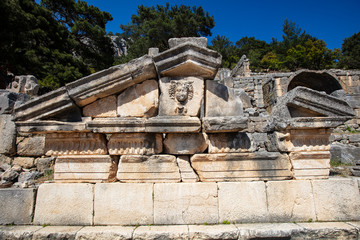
<point>182,92</point>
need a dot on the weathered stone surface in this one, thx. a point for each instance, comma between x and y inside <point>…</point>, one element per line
<point>44,164</point>
<point>242,202</point>
<point>242,68</point>
<point>229,142</point>
<point>187,173</point>
<point>328,230</point>
<point>104,107</point>
<point>185,143</point>
<point>5,160</point>
<point>111,81</point>
<point>245,98</point>
<point>49,126</point>
<point>75,144</point>
<point>290,201</point>
<point>173,124</point>
<point>308,140</point>
<point>267,231</point>
<point>10,175</point>
<point>199,41</point>
<point>135,144</point>
<point>117,125</point>
<point>213,232</point>
<point>224,124</point>
<point>7,135</point>
<point>154,168</point>
<point>221,101</point>
<point>310,165</point>
<point>105,233</point>
<point>140,100</point>
<point>28,176</point>
<point>18,232</point>
<point>53,105</point>
<point>84,168</point>
<point>123,204</point>
<point>24,162</point>
<point>64,204</point>
<point>336,199</point>
<point>8,100</point>
<point>57,232</point>
<point>188,59</point>
<point>25,84</point>
<point>31,146</point>
<point>16,206</point>
<point>241,166</point>
<point>185,203</point>
<point>161,232</point>
<point>181,96</point>
<point>344,153</point>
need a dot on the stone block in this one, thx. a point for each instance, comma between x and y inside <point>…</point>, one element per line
<point>213,232</point>
<point>185,143</point>
<point>7,101</point>
<point>344,153</point>
<point>16,205</point>
<point>310,165</point>
<point>173,124</point>
<point>267,231</point>
<point>57,144</point>
<point>301,140</point>
<point>336,199</point>
<point>44,164</point>
<point>105,233</point>
<point>85,168</point>
<point>199,41</point>
<point>161,232</point>
<point>116,125</point>
<point>242,202</point>
<point>31,146</point>
<point>24,162</point>
<point>326,230</point>
<point>187,173</point>
<point>221,101</point>
<point>47,126</point>
<point>64,204</point>
<point>18,232</point>
<point>104,107</point>
<point>181,96</point>
<point>7,135</point>
<point>140,100</point>
<point>154,168</point>
<point>135,144</point>
<point>185,203</point>
<point>229,142</point>
<point>241,166</point>
<point>5,160</point>
<point>290,201</point>
<point>123,204</point>
<point>224,124</point>
<point>57,232</point>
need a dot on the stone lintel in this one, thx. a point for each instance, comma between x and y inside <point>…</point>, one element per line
<point>135,143</point>
<point>117,125</point>
<point>224,124</point>
<point>317,122</point>
<point>173,124</point>
<point>49,126</point>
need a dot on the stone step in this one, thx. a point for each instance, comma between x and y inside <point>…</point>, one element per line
<point>308,230</point>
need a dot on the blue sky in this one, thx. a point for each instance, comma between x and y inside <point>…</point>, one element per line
<point>330,20</point>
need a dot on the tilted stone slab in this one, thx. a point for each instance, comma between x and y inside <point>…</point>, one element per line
<point>154,168</point>
<point>49,126</point>
<point>53,105</point>
<point>135,144</point>
<point>241,166</point>
<point>173,124</point>
<point>116,125</point>
<point>104,107</point>
<point>224,124</point>
<point>112,80</point>
<point>75,144</point>
<point>84,168</point>
<point>188,59</point>
<point>185,143</point>
<point>310,165</point>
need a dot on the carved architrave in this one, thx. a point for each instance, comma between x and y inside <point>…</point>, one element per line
<point>135,144</point>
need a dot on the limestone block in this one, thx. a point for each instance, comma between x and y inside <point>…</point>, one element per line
<point>5,162</point>
<point>64,204</point>
<point>221,101</point>
<point>344,153</point>
<point>84,168</point>
<point>336,199</point>
<point>111,81</point>
<point>57,232</point>
<point>7,101</point>
<point>185,203</point>
<point>75,144</point>
<point>161,232</point>
<point>300,140</point>
<point>173,124</point>
<point>16,205</point>
<point>31,146</point>
<point>24,162</point>
<point>18,232</point>
<point>185,143</point>
<point>135,144</point>
<point>199,41</point>
<point>260,165</point>
<point>154,168</point>
<point>310,165</point>
<point>224,124</point>
<point>213,232</point>
<point>328,230</point>
<point>229,142</point>
<point>7,135</point>
<point>47,126</point>
<point>290,201</point>
<point>116,125</point>
<point>181,96</point>
<point>44,164</point>
<point>268,231</point>
<point>242,202</point>
<point>104,107</point>
<point>123,204</point>
<point>140,100</point>
<point>105,233</point>
<point>187,173</point>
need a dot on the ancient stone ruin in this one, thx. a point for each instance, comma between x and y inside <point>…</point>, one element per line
<point>167,139</point>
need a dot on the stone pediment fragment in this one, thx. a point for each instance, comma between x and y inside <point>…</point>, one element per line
<point>188,59</point>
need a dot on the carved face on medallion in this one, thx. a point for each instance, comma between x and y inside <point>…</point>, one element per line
<point>181,91</point>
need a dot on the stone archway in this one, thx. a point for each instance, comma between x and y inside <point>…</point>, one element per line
<point>317,80</point>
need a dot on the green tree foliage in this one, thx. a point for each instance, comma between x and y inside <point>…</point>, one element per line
<point>226,48</point>
<point>254,49</point>
<point>153,26</point>
<point>350,58</point>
